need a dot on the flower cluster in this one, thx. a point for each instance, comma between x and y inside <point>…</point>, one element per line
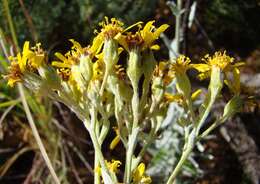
<point>118,76</point>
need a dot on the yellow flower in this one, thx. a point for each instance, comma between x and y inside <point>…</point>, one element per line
<point>23,58</point>
<point>179,68</point>
<point>113,165</point>
<point>143,38</point>
<point>139,176</point>
<point>150,34</point>
<point>234,83</point>
<point>14,75</point>
<point>162,70</point>
<point>39,56</point>
<point>29,60</point>
<point>109,30</point>
<point>71,57</point>
<point>181,65</point>
<point>220,60</point>
<point>226,65</point>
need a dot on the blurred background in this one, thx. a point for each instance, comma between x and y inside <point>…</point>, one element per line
<point>230,155</point>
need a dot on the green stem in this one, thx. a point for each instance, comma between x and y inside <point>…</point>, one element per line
<point>97,148</point>
<point>185,154</point>
<point>211,128</point>
<point>104,82</point>
<point>37,136</point>
<point>10,22</point>
<point>177,169</point>
<point>189,103</point>
<point>129,155</point>
<point>96,174</point>
<point>204,116</point>
<point>146,145</point>
<point>135,107</point>
<point>132,136</point>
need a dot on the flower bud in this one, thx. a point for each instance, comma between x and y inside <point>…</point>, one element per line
<point>157,88</point>
<point>216,81</point>
<point>134,70</point>
<point>233,106</point>
<point>76,74</point>
<point>86,68</point>
<point>149,63</point>
<point>32,81</point>
<point>50,75</point>
<point>183,84</point>
<point>110,53</point>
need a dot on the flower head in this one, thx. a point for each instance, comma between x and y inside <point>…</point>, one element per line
<point>139,176</point>
<point>181,65</point>
<point>162,70</point>
<point>72,57</point>
<point>29,60</point>
<point>220,60</point>
<point>109,31</point>
<point>110,28</point>
<point>149,33</point>
<point>15,74</point>
<point>113,165</point>
<point>226,65</point>
<point>143,38</point>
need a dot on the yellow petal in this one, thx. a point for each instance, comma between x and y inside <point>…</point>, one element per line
<point>37,60</point>
<point>114,142</point>
<point>11,82</point>
<point>147,28</point>
<point>61,57</point>
<point>160,30</point>
<point>239,64</point>
<point>122,41</point>
<point>114,165</point>
<point>130,27</point>
<point>97,44</point>
<point>141,169</point>
<point>21,62</point>
<point>147,34</point>
<point>76,45</point>
<point>195,95</point>
<point>60,64</point>
<point>234,85</point>
<point>26,46</point>
<point>155,47</point>
<point>200,67</point>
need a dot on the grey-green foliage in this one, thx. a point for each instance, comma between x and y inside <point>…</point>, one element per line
<point>167,150</point>
<point>57,21</point>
